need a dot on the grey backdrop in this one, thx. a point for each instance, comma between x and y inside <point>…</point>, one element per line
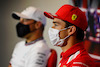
<point>8,37</point>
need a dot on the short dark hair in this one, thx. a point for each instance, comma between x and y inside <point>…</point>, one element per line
<point>79,32</point>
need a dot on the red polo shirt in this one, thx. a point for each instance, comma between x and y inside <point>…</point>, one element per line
<point>76,56</point>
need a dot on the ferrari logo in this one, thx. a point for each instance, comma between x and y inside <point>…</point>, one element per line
<point>74,17</point>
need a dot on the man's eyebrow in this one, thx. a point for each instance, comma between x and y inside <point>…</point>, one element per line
<point>55,22</point>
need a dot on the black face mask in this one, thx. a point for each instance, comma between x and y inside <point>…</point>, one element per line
<point>22,29</point>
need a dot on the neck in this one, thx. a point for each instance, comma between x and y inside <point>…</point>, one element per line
<point>34,36</point>
<point>70,42</point>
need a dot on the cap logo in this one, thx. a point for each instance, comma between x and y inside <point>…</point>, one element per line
<point>74,17</point>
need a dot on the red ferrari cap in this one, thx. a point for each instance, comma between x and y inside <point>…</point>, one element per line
<point>71,14</point>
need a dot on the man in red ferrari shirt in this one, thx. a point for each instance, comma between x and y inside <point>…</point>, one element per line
<point>69,24</point>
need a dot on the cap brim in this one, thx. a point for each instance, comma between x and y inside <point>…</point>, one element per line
<point>49,15</point>
<point>17,16</point>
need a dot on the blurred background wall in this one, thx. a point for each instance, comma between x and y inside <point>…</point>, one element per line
<point>92,35</point>
<point>8,37</point>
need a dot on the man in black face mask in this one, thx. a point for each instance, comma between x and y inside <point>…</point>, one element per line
<point>32,52</point>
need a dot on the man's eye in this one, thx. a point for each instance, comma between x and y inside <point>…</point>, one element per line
<point>56,25</point>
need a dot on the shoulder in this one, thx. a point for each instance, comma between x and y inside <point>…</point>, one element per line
<point>42,45</point>
<point>84,59</point>
<point>40,48</point>
<point>84,56</point>
<point>81,58</point>
<point>20,44</point>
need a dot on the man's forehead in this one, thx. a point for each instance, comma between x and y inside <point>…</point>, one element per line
<point>56,20</point>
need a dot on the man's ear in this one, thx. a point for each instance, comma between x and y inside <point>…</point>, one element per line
<point>72,30</point>
<point>38,24</point>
